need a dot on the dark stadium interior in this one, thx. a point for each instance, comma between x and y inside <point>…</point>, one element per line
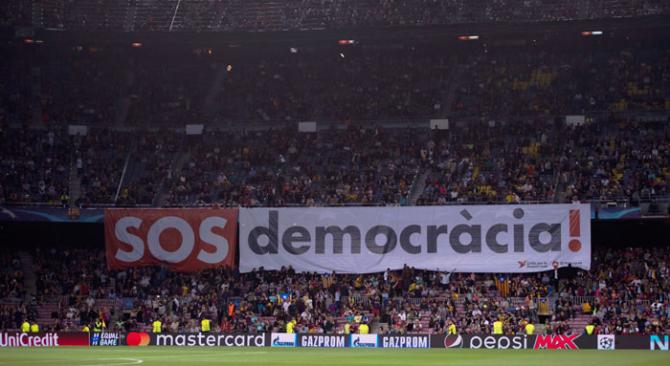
<point>608,78</point>
<point>385,105</point>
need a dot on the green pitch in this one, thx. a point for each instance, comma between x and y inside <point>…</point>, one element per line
<point>171,356</point>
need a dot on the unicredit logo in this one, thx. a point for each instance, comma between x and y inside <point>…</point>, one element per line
<point>28,340</point>
<point>138,339</point>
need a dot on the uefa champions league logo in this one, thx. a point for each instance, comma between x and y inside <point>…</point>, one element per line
<point>606,342</point>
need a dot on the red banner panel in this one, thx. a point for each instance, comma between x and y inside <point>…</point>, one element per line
<point>185,240</point>
<point>43,339</point>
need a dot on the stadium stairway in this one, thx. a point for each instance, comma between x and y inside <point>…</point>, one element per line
<point>454,79</point>
<point>44,313</point>
<point>123,103</point>
<point>418,187</point>
<point>460,308</point>
<point>74,184</point>
<point>178,163</point>
<point>578,323</point>
<point>268,13</point>
<point>36,93</point>
<point>124,179</point>
<point>111,307</point>
<point>29,276</point>
<point>37,18</point>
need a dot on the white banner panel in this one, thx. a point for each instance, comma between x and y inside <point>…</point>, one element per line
<point>284,340</point>
<point>364,341</point>
<point>194,129</point>
<point>306,126</point>
<point>439,124</point>
<point>576,120</point>
<point>74,130</point>
<point>503,238</point>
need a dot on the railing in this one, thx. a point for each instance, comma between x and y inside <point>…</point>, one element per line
<point>578,300</point>
<point>212,205</point>
<point>418,122</point>
<point>660,199</point>
<point>32,204</point>
<point>210,16</point>
<point>488,202</point>
<point>512,301</point>
<point>11,301</point>
<point>359,298</point>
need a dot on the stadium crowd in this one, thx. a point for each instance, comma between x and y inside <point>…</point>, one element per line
<point>11,277</point>
<point>506,163</point>
<point>15,13</point>
<point>255,15</point>
<point>35,166</point>
<point>279,168</point>
<point>626,292</point>
<point>503,108</point>
<point>406,82</point>
<point>12,291</point>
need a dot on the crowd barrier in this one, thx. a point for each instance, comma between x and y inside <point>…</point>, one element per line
<point>45,213</point>
<point>483,341</point>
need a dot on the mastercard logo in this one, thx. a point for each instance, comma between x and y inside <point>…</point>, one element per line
<point>138,339</point>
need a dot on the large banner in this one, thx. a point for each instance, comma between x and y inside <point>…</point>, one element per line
<point>529,238</point>
<point>184,240</point>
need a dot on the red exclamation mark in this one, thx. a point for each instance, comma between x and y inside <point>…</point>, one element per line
<point>575,245</point>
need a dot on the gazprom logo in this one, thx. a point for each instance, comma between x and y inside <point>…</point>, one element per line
<point>656,342</point>
<point>284,340</point>
<point>364,341</point>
